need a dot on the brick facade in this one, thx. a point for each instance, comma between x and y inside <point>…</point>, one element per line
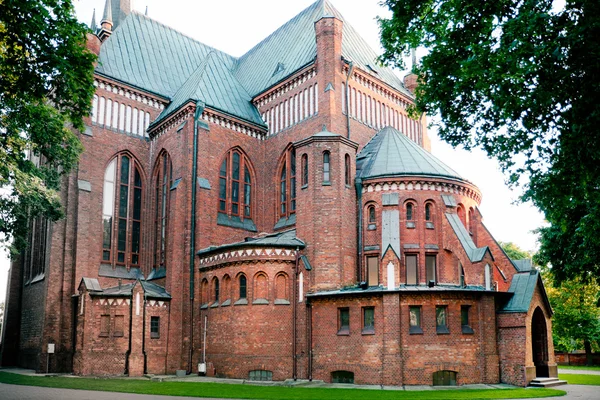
<point>263,293</point>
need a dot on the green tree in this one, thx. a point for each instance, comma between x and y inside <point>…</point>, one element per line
<point>514,252</point>
<point>46,88</point>
<point>520,80</point>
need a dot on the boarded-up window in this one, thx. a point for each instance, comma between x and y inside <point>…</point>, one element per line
<point>260,287</point>
<point>373,271</point>
<point>119,325</point>
<point>204,291</point>
<point>226,291</point>
<point>281,287</point>
<point>104,325</point>
<point>411,269</point>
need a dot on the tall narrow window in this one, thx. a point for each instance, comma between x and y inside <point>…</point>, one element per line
<point>409,211</point>
<point>347,169</point>
<point>122,194</point>
<point>287,183</point>
<point>216,290</point>
<point>488,277</point>
<point>304,170</point>
<point>411,269</point>
<point>373,271</point>
<point>428,212</point>
<point>414,320</point>
<point>155,327</point>
<point>343,321</point>
<point>464,319</point>
<point>430,262</point>
<point>243,287</point>
<point>163,181</point>
<point>326,171</point>
<point>372,216</point>
<point>368,320</point>
<point>461,275</point>
<point>441,319</point>
<point>235,185</point>
<point>471,221</point>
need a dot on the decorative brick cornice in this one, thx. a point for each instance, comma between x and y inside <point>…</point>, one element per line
<point>423,183</point>
<point>128,92</point>
<point>226,121</point>
<point>400,99</point>
<point>247,255</point>
<point>291,83</point>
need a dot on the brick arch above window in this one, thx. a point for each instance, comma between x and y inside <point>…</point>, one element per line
<point>162,177</point>
<point>261,288</point>
<point>204,291</point>
<point>225,288</point>
<point>282,287</point>
<point>122,205</point>
<point>236,180</point>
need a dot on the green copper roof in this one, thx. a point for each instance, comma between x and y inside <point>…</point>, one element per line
<point>293,46</point>
<point>522,288</point>
<point>474,253</point>
<point>390,153</point>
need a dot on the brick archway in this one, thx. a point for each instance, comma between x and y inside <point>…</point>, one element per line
<point>539,343</point>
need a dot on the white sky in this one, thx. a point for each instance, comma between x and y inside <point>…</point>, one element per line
<point>235,26</point>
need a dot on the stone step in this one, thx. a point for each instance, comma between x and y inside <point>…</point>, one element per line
<point>546,382</point>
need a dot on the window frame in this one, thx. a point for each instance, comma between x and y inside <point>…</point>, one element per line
<point>416,256</point>
<point>441,311</point>
<point>415,329</point>
<point>287,175</point>
<point>163,180</point>
<point>244,180</point>
<point>347,170</point>
<point>154,327</point>
<point>343,313</point>
<point>465,320</point>
<point>326,167</point>
<point>368,329</point>
<point>304,166</point>
<point>370,267</point>
<point>427,271</point>
<point>245,286</point>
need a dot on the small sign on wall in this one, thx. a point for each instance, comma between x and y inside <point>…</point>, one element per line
<point>50,348</point>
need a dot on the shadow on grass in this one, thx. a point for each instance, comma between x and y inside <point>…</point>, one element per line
<point>233,391</point>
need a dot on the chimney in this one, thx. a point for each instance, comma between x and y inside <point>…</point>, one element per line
<point>106,24</point>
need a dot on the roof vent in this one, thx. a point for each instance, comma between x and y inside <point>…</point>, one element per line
<point>372,69</point>
<point>278,69</point>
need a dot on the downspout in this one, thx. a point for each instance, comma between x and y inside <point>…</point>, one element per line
<point>350,68</point>
<point>197,115</point>
<point>144,332</point>
<point>310,352</point>
<point>294,326</point>
<point>359,230</point>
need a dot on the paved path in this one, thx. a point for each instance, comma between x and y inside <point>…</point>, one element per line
<point>578,371</point>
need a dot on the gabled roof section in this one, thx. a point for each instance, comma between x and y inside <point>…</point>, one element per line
<point>474,253</point>
<point>293,46</point>
<point>91,284</point>
<point>522,288</point>
<point>390,153</point>
<point>214,84</point>
<point>153,57</point>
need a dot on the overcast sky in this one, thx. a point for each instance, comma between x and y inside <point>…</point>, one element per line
<point>235,26</point>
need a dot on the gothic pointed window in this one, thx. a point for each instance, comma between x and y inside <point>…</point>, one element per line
<point>122,212</point>
<point>235,185</point>
<point>287,183</point>
<point>304,170</point>
<point>163,176</point>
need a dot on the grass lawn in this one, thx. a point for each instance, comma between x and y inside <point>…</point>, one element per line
<point>580,379</point>
<point>194,389</point>
<point>594,368</point>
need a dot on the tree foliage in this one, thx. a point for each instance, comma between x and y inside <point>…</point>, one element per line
<point>520,80</point>
<point>514,252</point>
<point>46,88</point>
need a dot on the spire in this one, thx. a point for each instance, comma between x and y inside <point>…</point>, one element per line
<point>120,10</point>
<point>93,25</point>
<point>107,16</point>
<point>146,13</point>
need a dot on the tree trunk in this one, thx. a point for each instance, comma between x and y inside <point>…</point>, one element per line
<point>588,352</point>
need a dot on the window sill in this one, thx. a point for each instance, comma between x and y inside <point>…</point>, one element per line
<point>429,225</point>
<point>236,222</point>
<point>154,336</point>
<point>37,279</point>
<point>410,225</point>
<point>348,186</point>
<point>415,330</point>
<point>326,184</point>
<point>214,305</point>
<point>467,330</point>
<point>120,334</point>
<point>344,332</point>
<point>103,335</point>
<point>241,302</point>
<point>304,186</point>
<point>368,331</point>
<point>282,302</point>
<point>442,330</point>
<point>226,303</point>
<point>285,222</point>
<point>204,306</point>
<point>260,301</point>
<point>371,227</point>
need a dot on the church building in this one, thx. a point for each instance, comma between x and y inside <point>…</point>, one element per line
<point>273,216</point>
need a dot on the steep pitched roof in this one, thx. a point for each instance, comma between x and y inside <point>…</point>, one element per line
<point>522,288</point>
<point>390,153</point>
<point>286,239</point>
<point>293,46</point>
<point>474,253</point>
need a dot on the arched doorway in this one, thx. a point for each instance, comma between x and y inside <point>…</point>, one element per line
<point>539,343</point>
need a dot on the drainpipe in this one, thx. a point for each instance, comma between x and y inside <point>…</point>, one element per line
<point>197,115</point>
<point>359,230</point>
<point>310,352</point>
<point>294,308</point>
<point>350,68</point>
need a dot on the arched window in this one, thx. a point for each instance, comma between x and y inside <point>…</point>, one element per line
<point>372,216</point>
<point>304,170</point>
<point>287,183</point>
<point>122,212</point>
<point>488,277</point>
<point>326,167</point>
<point>204,288</point>
<point>235,185</point>
<point>347,169</point>
<point>216,289</point>
<point>409,211</point>
<point>428,212</point>
<point>261,288</point>
<point>460,211</point>
<point>226,288</point>
<point>281,287</point>
<point>163,178</point>
<point>243,293</point>
<point>471,220</point>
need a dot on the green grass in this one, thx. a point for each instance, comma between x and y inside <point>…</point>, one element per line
<point>580,367</point>
<point>195,389</point>
<point>580,379</point>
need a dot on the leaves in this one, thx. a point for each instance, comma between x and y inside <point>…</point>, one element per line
<point>46,87</point>
<point>520,80</point>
